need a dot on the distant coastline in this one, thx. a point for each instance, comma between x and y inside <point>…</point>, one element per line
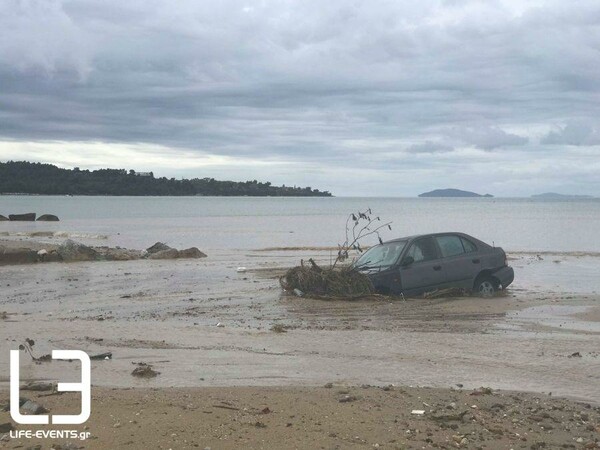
<point>554,195</point>
<point>26,178</point>
<point>451,192</point>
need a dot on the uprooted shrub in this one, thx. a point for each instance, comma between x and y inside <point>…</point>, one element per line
<point>338,282</point>
<point>330,283</point>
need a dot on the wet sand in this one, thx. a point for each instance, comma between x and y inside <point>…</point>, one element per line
<point>166,313</point>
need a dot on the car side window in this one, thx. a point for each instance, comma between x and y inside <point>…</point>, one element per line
<point>423,250</point>
<point>468,245</point>
<point>450,245</point>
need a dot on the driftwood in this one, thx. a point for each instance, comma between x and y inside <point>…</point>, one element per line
<point>448,292</point>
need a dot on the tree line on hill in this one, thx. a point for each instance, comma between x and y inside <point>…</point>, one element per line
<point>21,177</point>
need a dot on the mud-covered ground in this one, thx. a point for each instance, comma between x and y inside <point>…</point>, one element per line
<point>214,331</point>
<point>332,417</point>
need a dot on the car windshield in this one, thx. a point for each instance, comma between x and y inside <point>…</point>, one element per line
<point>381,256</point>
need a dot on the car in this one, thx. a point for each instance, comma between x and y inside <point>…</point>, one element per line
<point>413,265</point>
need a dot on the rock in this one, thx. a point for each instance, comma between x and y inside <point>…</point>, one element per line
<point>48,218</point>
<point>121,254</point>
<point>158,247</point>
<point>28,217</point>
<point>3,218</point>
<point>74,251</point>
<point>6,427</point>
<point>170,253</point>
<point>17,256</point>
<point>191,252</point>
<point>32,407</point>
<point>347,399</point>
<point>51,256</point>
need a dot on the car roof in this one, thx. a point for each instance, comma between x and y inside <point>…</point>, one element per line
<point>416,236</point>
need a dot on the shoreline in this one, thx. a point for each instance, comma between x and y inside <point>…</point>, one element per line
<point>216,335</point>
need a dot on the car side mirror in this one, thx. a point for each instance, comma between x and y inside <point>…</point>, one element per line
<point>407,261</point>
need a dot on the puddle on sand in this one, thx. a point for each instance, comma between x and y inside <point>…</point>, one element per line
<point>564,317</point>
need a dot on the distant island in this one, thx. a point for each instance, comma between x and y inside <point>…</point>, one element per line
<point>21,177</point>
<point>452,193</point>
<point>551,195</point>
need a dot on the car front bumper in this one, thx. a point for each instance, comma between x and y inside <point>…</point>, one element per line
<point>505,275</point>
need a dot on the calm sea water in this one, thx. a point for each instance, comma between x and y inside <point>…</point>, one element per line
<point>252,223</point>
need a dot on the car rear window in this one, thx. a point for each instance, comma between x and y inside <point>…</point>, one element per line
<point>468,245</point>
<point>450,245</point>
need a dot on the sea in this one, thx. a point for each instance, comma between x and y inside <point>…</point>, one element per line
<point>209,223</point>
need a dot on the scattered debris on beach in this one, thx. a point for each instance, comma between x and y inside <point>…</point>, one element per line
<point>278,328</point>
<point>27,346</point>
<point>144,370</point>
<point>39,386</point>
<point>101,356</point>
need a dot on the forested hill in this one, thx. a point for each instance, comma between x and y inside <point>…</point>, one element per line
<point>45,179</point>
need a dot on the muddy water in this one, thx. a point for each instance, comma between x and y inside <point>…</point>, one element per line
<point>166,313</point>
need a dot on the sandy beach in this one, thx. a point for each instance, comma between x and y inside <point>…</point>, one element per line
<point>214,334</point>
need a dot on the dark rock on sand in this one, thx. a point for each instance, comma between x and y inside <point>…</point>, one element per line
<point>158,247</point>
<point>3,218</point>
<point>191,252</point>
<point>6,427</point>
<point>17,256</point>
<point>169,253</point>
<point>49,256</point>
<point>119,254</point>
<point>32,407</point>
<point>28,217</point>
<point>48,218</point>
<point>74,251</point>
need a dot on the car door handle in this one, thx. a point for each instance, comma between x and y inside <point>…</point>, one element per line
<point>476,261</point>
<point>437,267</point>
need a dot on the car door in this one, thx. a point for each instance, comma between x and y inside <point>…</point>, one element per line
<point>426,272</point>
<point>456,265</point>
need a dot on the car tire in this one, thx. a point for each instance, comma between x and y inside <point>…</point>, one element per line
<point>486,287</point>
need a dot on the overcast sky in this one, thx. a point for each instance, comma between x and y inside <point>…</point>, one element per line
<point>358,97</point>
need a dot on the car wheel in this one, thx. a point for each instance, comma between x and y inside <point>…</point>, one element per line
<point>486,287</point>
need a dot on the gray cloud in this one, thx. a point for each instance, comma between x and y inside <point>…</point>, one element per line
<point>315,86</point>
<point>429,147</point>
<point>580,134</point>
<point>487,138</point>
